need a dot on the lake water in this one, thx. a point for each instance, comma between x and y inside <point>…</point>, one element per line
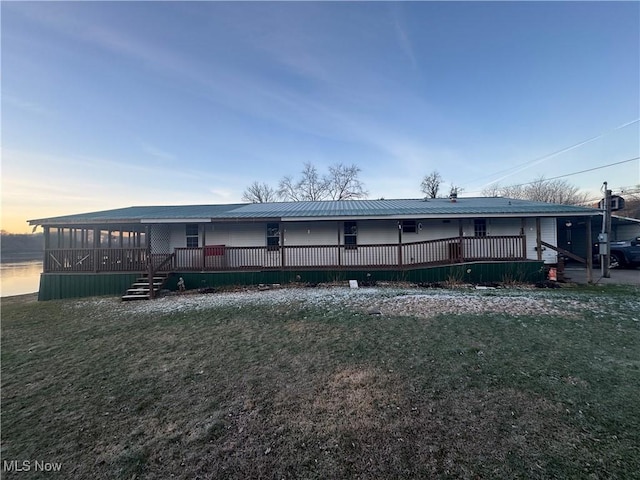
<point>18,278</point>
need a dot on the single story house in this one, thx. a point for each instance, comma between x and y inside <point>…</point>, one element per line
<point>424,240</point>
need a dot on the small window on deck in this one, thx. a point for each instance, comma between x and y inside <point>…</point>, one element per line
<point>273,236</point>
<point>192,235</point>
<point>350,235</point>
<point>480,227</point>
<point>409,226</point>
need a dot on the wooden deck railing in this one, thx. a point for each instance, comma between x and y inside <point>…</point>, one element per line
<point>220,258</point>
<point>95,260</point>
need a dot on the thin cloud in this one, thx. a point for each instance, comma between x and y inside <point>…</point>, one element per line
<point>26,105</point>
<point>404,41</point>
<point>157,152</point>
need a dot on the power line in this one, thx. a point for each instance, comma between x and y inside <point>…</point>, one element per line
<point>576,173</point>
<point>522,166</point>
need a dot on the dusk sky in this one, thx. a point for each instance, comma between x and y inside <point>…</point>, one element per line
<point>114,104</point>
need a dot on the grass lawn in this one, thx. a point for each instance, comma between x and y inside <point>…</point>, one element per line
<point>360,384</point>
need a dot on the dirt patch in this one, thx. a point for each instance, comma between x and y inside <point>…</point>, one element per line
<point>427,306</point>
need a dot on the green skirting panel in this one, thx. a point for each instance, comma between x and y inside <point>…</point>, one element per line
<point>57,286</point>
<point>54,286</point>
<point>477,272</point>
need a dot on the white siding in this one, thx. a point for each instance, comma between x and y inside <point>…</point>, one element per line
<point>311,233</point>
<point>377,233</point>
<point>548,233</point>
<point>503,226</point>
<point>436,229</point>
<point>237,235</point>
<point>178,236</point>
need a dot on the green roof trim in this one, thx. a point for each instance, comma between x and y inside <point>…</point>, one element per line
<point>411,208</point>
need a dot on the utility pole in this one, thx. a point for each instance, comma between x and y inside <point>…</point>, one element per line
<point>605,236</point>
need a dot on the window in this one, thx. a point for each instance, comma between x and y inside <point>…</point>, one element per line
<point>350,235</point>
<point>480,227</point>
<point>409,226</point>
<point>273,236</point>
<point>192,235</point>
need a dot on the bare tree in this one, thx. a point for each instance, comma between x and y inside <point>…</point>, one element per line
<point>510,191</point>
<point>631,203</point>
<point>259,193</point>
<point>430,185</point>
<point>541,190</point>
<point>310,186</point>
<point>343,183</point>
<point>288,189</point>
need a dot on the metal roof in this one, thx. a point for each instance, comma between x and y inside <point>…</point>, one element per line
<point>374,209</point>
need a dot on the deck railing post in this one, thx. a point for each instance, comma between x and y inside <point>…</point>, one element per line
<point>400,245</point>
<point>538,239</point>
<point>150,261</point>
<point>461,254</point>
<point>47,246</point>
<point>96,251</point>
<point>204,248</point>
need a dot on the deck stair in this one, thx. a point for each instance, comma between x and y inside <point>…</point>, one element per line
<point>139,290</point>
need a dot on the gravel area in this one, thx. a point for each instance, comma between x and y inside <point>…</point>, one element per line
<point>387,300</point>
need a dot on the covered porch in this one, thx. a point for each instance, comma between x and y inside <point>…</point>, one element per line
<point>95,250</point>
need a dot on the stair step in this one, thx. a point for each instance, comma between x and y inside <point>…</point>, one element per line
<point>135,297</point>
<point>139,290</point>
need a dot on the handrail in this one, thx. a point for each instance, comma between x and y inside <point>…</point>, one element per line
<point>564,252</point>
<point>152,271</point>
<point>165,262</point>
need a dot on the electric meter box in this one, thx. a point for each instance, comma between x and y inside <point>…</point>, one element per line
<point>603,243</point>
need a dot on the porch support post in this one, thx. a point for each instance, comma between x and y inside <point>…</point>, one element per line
<point>538,239</point>
<point>400,244</point>
<point>460,241</point>
<point>523,236</point>
<point>96,246</point>
<point>282,254</point>
<point>204,246</point>
<point>589,255</point>
<point>47,239</point>
<point>339,248</point>
<point>150,260</point>
<point>47,245</point>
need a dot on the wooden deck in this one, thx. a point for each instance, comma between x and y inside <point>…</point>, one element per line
<point>219,258</point>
